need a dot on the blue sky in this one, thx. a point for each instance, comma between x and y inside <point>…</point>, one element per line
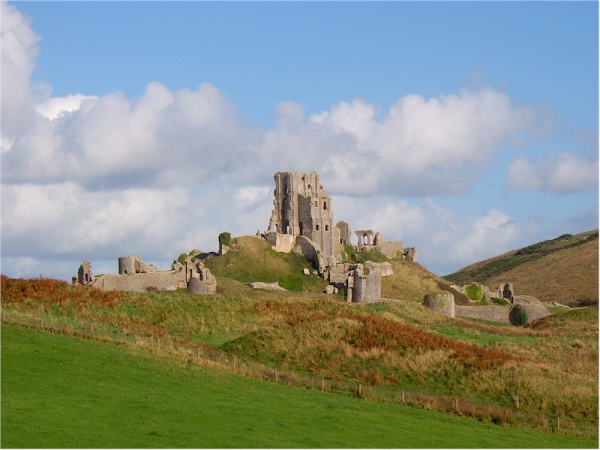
<point>465,129</point>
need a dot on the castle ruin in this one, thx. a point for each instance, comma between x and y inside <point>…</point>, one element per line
<point>302,221</point>
<point>136,275</point>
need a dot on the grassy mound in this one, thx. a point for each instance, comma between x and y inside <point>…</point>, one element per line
<point>252,259</point>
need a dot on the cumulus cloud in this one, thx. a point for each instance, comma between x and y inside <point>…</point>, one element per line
<point>564,173</point>
<point>19,51</point>
<point>56,106</point>
<point>446,241</point>
<point>89,177</point>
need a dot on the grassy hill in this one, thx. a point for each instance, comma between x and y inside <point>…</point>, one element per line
<point>390,354</point>
<point>59,391</point>
<point>252,259</point>
<point>564,269</point>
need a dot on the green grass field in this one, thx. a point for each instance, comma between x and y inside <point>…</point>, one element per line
<point>60,391</point>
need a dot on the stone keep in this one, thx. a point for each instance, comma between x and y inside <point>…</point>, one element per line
<point>302,208</point>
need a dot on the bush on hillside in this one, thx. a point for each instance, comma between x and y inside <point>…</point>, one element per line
<point>292,282</point>
<point>225,239</point>
<point>474,292</point>
<point>182,258</point>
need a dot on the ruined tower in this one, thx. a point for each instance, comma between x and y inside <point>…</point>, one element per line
<point>302,208</point>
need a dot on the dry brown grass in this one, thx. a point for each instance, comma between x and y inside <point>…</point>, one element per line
<point>521,376</point>
<point>564,276</point>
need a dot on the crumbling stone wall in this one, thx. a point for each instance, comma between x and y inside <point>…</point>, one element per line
<point>345,234</point>
<point>283,243</point>
<point>493,313</point>
<point>142,282</point>
<point>391,249</point>
<point>135,275</point>
<point>84,274</point>
<point>303,208</point>
<point>442,303</point>
<point>506,290</point>
<point>364,281</point>
<point>521,314</point>
<point>411,254</point>
<point>134,264</point>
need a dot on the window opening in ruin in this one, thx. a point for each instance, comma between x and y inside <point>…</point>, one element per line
<point>317,227</point>
<point>309,186</point>
<point>285,189</point>
<point>301,228</point>
<point>325,205</point>
<point>367,241</point>
<point>326,227</point>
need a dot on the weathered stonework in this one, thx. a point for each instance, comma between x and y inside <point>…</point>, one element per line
<point>524,308</point>
<point>301,221</point>
<point>364,282</point>
<point>84,274</point>
<point>493,313</point>
<point>345,234</point>
<point>134,264</point>
<point>442,303</point>
<point>303,208</point>
<point>410,254</point>
<point>135,275</point>
<point>392,249</point>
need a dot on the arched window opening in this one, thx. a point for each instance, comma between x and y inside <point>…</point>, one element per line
<point>317,227</point>
<point>325,206</point>
<point>326,227</point>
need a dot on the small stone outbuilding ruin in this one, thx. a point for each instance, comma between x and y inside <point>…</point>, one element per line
<point>521,310</point>
<point>136,275</point>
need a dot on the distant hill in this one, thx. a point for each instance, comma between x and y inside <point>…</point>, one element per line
<point>564,269</point>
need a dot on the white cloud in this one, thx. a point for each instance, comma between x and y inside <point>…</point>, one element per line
<point>564,173</point>
<point>19,50</point>
<point>54,107</point>
<point>86,177</point>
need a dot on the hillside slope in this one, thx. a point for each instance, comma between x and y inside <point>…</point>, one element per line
<point>564,269</point>
<point>252,259</point>
<point>393,352</point>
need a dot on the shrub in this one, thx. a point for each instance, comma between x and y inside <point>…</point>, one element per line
<point>523,319</point>
<point>474,292</point>
<point>225,238</point>
<point>500,301</point>
<point>292,282</point>
<point>182,258</point>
